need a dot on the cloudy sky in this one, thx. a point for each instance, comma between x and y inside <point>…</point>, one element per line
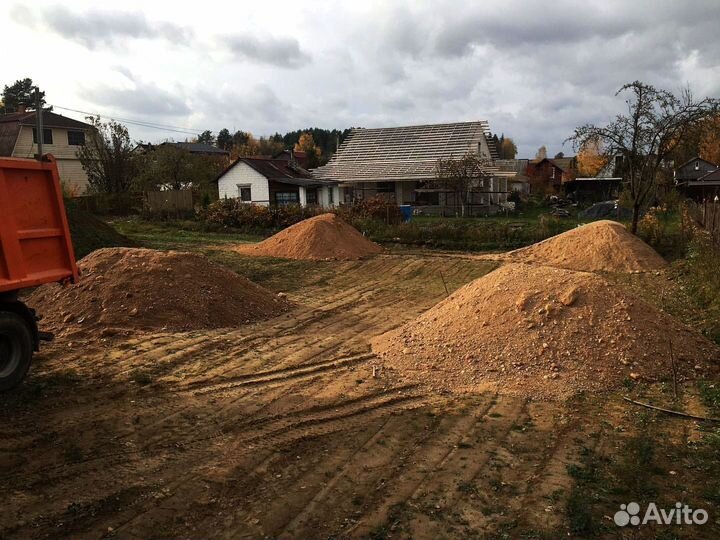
<point>534,70</point>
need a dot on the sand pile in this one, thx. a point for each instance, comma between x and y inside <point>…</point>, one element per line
<point>543,332</point>
<point>130,288</point>
<point>321,237</point>
<point>599,246</point>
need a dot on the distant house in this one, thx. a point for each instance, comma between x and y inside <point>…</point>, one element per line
<point>698,178</point>
<point>519,182</point>
<point>605,186</point>
<point>203,149</point>
<point>275,182</point>
<point>399,164</point>
<point>62,137</point>
<point>545,176</point>
<point>300,157</point>
<point>693,169</point>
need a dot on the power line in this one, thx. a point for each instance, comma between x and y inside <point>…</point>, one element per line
<point>140,123</point>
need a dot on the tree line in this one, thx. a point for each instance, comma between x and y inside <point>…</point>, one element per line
<point>319,144</point>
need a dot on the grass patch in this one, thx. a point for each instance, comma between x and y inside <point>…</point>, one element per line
<point>468,234</point>
<point>181,235</point>
<point>585,494</point>
<point>710,395</point>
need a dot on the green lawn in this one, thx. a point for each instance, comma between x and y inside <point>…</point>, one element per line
<point>176,234</point>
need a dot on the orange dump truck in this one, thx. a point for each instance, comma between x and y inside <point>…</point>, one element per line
<point>35,248</point>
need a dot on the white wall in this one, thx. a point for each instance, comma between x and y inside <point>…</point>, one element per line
<point>72,176</point>
<point>243,174</point>
<point>324,199</point>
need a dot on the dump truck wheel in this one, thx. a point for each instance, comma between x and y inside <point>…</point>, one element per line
<point>15,350</point>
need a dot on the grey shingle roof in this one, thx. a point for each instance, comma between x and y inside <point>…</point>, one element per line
<point>50,120</point>
<point>401,153</point>
<point>279,170</point>
<point>198,148</point>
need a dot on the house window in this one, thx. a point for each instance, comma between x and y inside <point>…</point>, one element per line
<point>76,138</point>
<point>47,136</point>
<point>331,195</point>
<point>385,187</point>
<point>697,165</point>
<point>286,197</point>
<point>245,193</point>
<point>311,196</point>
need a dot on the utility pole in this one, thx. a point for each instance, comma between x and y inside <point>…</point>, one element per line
<point>39,123</point>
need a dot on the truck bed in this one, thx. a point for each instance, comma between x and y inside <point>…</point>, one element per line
<point>35,244</point>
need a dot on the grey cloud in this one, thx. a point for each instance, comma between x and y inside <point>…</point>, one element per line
<point>95,28</point>
<point>280,52</point>
<point>257,109</point>
<point>145,99</point>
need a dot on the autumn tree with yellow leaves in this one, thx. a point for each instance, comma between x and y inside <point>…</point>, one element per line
<point>306,144</point>
<point>590,158</point>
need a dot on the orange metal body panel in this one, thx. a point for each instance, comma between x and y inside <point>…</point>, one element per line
<point>35,244</point>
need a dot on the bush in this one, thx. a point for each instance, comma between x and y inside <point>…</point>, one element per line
<point>233,213</point>
<point>466,234</point>
<point>373,208</point>
<point>667,231</point>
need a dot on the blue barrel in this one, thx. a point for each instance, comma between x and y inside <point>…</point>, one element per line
<point>406,211</point>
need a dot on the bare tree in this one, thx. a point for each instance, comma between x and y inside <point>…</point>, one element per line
<point>461,176</point>
<point>107,157</point>
<point>655,123</point>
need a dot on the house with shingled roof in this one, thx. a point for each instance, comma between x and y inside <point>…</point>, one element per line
<point>399,164</point>
<point>274,182</point>
<point>62,137</point>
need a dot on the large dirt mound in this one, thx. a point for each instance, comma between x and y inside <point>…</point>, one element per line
<point>132,288</point>
<point>543,332</point>
<point>318,238</point>
<point>599,246</point>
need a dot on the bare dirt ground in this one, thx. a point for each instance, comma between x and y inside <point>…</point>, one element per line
<point>281,430</point>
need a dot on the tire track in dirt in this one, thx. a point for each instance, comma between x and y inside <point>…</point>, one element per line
<point>277,376</point>
<point>310,423</point>
<point>253,418</point>
<point>413,489</point>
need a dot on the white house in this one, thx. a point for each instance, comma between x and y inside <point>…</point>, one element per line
<point>267,181</point>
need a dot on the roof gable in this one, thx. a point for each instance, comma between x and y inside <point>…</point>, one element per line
<point>691,163</point>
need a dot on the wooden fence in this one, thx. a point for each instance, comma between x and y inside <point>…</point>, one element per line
<point>169,203</point>
<point>707,214</point>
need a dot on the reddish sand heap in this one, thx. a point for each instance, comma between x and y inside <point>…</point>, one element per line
<point>127,288</point>
<point>318,238</point>
<point>543,332</point>
<point>599,246</point>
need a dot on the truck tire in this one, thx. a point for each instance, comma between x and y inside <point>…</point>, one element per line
<point>16,348</point>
